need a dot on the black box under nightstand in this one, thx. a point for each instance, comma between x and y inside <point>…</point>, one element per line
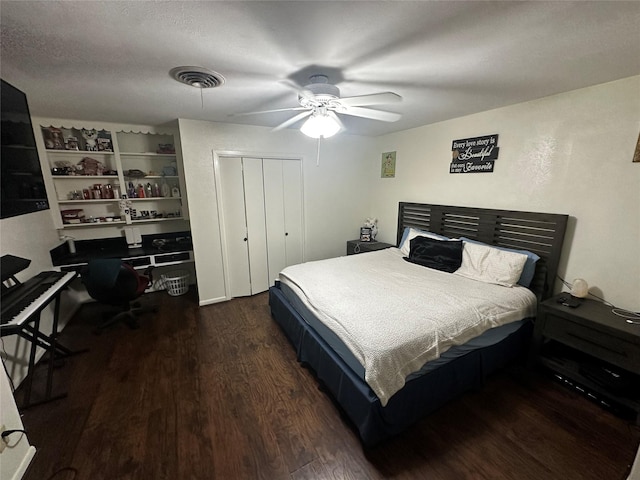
<point>356,246</point>
<point>591,349</point>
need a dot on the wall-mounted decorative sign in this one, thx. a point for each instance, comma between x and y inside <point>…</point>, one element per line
<point>388,165</point>
<point>474,155</point>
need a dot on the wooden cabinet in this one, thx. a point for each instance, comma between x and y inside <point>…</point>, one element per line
<point>356,246</point>
<point>591,348</point>
<point>91,175</point>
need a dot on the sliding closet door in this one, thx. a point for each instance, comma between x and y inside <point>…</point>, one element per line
<point>244,225</point>
<point>283,209</point>
<point>274,214</point>
<point>256,224</point>
<point>235,226</point>
<point>292,193</point>
<point>262,212</point>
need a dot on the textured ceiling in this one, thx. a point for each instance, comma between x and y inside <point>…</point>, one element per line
<point>109,61</point>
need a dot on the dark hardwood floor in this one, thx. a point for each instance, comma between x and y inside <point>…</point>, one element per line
<point>216,393</point>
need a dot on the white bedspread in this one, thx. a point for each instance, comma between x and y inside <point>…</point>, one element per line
<point>395,316</point>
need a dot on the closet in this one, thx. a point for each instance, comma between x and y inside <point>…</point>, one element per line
<point>262,220</point>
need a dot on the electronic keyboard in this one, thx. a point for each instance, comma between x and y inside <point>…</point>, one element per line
<point>21,301</point>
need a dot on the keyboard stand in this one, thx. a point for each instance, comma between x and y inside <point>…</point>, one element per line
<point>37,339</point>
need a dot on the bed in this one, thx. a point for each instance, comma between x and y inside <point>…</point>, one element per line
<point>382,392</point>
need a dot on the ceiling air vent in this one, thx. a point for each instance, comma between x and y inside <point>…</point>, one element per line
<point>197,77</point>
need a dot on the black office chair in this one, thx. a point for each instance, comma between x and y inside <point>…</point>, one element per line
<point>114,282</point>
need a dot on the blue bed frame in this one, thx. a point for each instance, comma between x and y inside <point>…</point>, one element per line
<point>538,232</point>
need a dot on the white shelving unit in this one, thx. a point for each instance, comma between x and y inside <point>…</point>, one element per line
<point>139,166</point>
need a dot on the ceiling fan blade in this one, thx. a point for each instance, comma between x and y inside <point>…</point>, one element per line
<point>336,118</point>
<point>268,111</point>
<point>373,99</point>
<point>371,113</point>
<point>292,120</point>
<point>303,92</point>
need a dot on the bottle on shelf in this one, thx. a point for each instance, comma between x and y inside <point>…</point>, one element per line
<point>148,190</point>
<point>166,191</point>
<point>107,191</point>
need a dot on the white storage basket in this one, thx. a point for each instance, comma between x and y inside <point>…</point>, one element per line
<point>176,282</point>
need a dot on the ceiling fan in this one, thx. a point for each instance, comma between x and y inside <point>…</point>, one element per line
<point>321,101</point>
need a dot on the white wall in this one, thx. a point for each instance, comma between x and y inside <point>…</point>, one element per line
<point>336,192</point>
<point>15,459</point>
<point>569,153</point>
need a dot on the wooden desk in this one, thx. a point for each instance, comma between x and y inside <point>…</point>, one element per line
<point>176,251</point>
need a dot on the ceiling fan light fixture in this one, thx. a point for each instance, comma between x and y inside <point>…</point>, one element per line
<point>320,125</point>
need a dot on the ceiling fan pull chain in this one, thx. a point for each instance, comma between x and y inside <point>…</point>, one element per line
<point>318,152</point>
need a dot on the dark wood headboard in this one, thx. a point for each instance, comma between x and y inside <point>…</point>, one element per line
<point>540,233</point>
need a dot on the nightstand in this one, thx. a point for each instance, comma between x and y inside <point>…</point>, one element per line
<point>592,350</point>
<point>356,246</point>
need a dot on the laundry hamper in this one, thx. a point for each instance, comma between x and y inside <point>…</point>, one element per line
<point>176,282</point>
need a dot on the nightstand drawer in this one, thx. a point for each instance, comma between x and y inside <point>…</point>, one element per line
<point>609,348</point>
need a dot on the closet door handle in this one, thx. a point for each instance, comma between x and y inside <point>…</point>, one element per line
<point>245,239</point>
<point>286,234</point>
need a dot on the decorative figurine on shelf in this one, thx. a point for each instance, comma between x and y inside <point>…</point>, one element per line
<point>90,140</point>
<point>169,171</point>
<point>166,148</point>
<point>91,166</point>
<point>125,209</point>
<point>53,138</point>
<point>372,223</point>
<point>104,145</point>
<point>64,167</point>
<point>71,143</point>
<point>134,173</point>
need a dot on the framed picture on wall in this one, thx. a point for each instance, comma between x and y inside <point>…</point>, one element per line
<point>388,165</point>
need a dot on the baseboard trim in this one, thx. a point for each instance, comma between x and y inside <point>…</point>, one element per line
<point>210,301</point>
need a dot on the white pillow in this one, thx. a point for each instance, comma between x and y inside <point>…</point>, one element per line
<point>491,265</point>
<point>410,233</point>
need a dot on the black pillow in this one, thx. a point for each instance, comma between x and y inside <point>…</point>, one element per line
<point>444,255</point>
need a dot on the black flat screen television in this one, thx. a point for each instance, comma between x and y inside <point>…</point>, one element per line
<point>21,183</point>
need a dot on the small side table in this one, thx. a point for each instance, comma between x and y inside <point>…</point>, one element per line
<point>356,246</point>
<point>591,348</point>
